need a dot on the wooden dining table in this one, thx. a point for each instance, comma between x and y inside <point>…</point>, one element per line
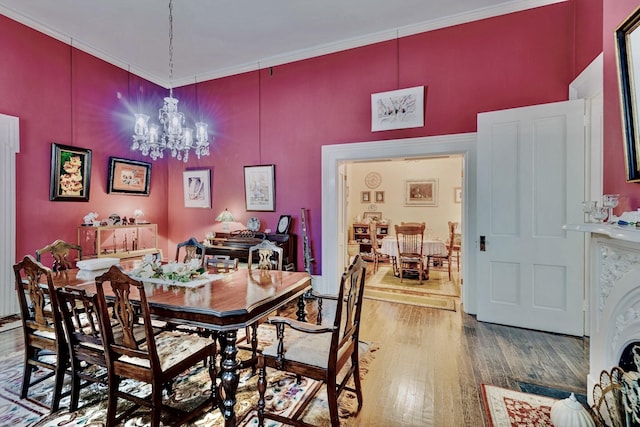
<point>225,303</point>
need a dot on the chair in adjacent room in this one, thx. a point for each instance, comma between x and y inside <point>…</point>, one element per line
<point>193,250</point>
<point>319,352</point>
<point>44,342</point>
<point>61,253</point>
<point>444,261</point>
<point>157,360</point>
<point>376,255</point>
<point>269,256</point>
<point>84,339</point>
<point>410,237</point>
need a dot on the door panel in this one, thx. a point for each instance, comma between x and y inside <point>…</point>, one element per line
<point>530,183</point>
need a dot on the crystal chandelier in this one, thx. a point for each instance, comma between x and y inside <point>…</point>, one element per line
<point>147,137</point>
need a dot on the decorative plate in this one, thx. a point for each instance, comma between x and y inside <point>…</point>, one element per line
<point>253,224</point>
<point>373,180</point>
<point>373,207</point>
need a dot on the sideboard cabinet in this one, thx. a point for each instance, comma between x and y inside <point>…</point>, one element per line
<point>361,235</point>
<point>118,241</point>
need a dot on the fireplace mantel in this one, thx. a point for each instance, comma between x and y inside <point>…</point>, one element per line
<point>614,293</point>
<point>627,233</point>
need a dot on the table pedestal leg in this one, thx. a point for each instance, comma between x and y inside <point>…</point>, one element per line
<point>229,378</point>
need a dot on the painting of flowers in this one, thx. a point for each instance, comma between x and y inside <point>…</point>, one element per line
<point>70,173</point>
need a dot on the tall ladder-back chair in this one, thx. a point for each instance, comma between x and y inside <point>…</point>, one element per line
<point>444,261</point>
<point>319,351</point>
<point>410,237</point>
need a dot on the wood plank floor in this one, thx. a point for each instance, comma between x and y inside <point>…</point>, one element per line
<point>431,363</point>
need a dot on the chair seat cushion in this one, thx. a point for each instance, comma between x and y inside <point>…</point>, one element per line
<point>172,347</point>
<point>311,349</point>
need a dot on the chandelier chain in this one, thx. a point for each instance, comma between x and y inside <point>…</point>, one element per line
<point>152,140</point>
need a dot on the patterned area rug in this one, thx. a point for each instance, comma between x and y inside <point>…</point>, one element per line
<point>283,393</point>
<point>508,408</point>
<point>437,292</point>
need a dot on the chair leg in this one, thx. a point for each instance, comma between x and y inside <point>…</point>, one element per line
<point>75,387</point>
<point>332,400</point>
<point>26,376</point>
<point>112,402</point>
<point>355,362</point>
<point>59,381</point>
<point>262,388</point>
<point>156,410</point>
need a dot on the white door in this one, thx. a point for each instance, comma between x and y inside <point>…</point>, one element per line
<point>530,183</point>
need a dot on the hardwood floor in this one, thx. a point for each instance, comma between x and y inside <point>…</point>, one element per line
<point>431,363</point>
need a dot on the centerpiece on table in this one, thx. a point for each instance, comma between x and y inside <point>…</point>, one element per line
<point>172,272</point>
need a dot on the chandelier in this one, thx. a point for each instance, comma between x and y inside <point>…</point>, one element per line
<point>174,137</point>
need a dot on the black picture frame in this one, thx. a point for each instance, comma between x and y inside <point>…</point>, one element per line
<point>131,177</point>
<point>284,223</point>
<point>70,173</point>
<point>627,37</point>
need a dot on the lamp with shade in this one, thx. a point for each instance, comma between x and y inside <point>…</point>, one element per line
<point>225,217</point>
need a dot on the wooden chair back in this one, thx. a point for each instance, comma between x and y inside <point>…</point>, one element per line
<point>60,252</point>
<point>269,256</point>
<point>137,352</point>
<point>222,263</point>
<point>340,350</point>
<point>126,314</point>
<point>444,261</point>
<point>41,325</point>
<point>79,313</point>
<point>193,250</point>
<point>410,238</point>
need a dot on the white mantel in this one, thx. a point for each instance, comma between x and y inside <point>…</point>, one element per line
<point>614,293</point>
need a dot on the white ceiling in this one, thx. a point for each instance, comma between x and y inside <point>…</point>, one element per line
<point>215,38</point>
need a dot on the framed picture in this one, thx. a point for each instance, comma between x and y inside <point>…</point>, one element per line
<point>379,197</point>
<point>421,192</point>
<point>197,188</point>
<point>372,216</point>
<point>365,196</point>
<point>70,173</point>
<point>283,224</point>
<point>627,38</point>
<point>397,109</point>
<point>457,195</point>
<point>129,177</point>
<point>260,188</point>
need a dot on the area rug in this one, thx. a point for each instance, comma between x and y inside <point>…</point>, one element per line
<point>438,283</point>
<point>283,392</point>
<point>510,408</point>
<point>442,303</point>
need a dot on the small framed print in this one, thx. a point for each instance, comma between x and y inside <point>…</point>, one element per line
<point>283,224</point>
<point>372,216</point>
<point>129,177</point>
<point>457,195</point>
<point>260,188</point>
<point>197,188</point>
<point>365,196</point>
<point>379,197</point>
<point>70,173</point>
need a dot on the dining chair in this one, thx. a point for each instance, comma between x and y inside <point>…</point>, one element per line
<point>154,358</point>
<point>269,256</point>
<point>60,252</point>
<point>410,241</point>
<point>222,263</point>
<point>444,260</point>
<point>86,351</point>
<point>376,255</point>
<point>193,250</point>
<point>44,342</point>
<point>319,352</point>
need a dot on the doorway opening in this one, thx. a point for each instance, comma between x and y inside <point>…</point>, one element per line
<point>335,219</point>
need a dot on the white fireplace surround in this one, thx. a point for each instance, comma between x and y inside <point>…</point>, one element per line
<point>614,315</point>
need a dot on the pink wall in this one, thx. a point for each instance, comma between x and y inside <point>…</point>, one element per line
<point>280,116</point>
<point>614,165</point>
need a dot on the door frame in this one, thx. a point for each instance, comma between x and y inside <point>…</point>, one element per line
<point>333,156</point>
